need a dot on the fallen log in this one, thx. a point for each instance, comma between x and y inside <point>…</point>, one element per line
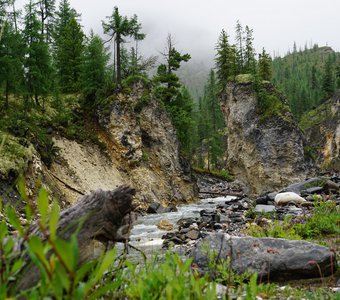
<point>104,216</point>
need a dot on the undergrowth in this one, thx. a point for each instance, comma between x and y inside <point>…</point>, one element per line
<point>113,276</point>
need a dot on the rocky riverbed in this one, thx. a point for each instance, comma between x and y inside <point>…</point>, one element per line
<point>223,228</point>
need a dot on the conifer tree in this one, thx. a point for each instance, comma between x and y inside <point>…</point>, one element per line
<point>265,66</point>
<point>166,78</point>
<point>11,56</point>
<point>94,70</point>
<point>70,52</point>
<point>37,62</point>
<point>328,81</point>
<point>249,52</point>
<point>46,9</point>
<point>225,60</point>
<point>240,52</point>
<point>120,27</point>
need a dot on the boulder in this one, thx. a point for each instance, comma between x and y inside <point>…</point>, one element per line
<point>165,225</point>
<point>282,199</point>
<point>273,259</point>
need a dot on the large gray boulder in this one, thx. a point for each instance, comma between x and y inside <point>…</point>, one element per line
<point>273,259</point>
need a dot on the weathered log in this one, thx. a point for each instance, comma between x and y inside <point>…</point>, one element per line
<point>103,215</point>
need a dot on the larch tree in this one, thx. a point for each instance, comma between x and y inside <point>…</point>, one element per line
<point>11,57</point>
<point>166,77</point>
<point>119,27</point>
<point>249,52</point>
<point>37,62</point>
<point>94,70</point>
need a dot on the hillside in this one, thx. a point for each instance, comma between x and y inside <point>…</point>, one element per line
<point>307,77</point>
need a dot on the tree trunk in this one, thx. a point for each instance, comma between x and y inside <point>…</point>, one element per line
<point>119,73</point>
<point>7,94</point>
<point>103,216</point>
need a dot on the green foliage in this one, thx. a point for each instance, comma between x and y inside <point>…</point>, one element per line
<point>322,221</point>
<point>270,102</point>
<point>306,77</point>
<point>69,54</point>
<point>316,116</point>
<point>265,66</point>
<point>94,73</point>
<point>172,278</point>
<point>120,27</point>
<point>211,131</point>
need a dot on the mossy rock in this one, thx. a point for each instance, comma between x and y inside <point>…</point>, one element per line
<point>14,155</point>
<point>244,78</point>
<point>315,117</point>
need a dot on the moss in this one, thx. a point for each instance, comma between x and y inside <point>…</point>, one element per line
<point>244,78</point>
<point>270,105</point>
<point>315,117</point>
<point>14,156</point>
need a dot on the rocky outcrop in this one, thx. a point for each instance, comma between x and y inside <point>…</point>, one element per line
<point>142,140</point>
<point>264,145</point>
<point>322,131</point>
<point>141,150</point>
<point>272,259</point>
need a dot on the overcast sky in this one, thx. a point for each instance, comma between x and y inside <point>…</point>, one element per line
<point>196,24</point>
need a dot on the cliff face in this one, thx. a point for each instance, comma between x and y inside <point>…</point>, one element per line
<point>264,148</point>
<point>322,131</point>
<point>141,150</point>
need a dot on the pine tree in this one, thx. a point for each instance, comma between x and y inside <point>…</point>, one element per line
<point>265,66</point>
<point>119,27</point>
<point>94,70</point>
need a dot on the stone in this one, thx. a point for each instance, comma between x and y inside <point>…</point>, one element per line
<point>165,225</point>
<point>264,208</point>
<point>153,208</point>
<point>193,234</point>
<point>282,199</point>
<point>186,222</point>
<point>300,186</point>
<point>273,259</point>
<point>264,150</point>
<point>313,190</point>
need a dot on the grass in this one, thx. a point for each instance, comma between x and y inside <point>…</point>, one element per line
<point>323,220</point>
<point>222,174</point>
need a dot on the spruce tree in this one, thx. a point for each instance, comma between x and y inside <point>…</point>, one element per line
<point>265,66</point>
<point>328,80</point>
<point>225,60</point>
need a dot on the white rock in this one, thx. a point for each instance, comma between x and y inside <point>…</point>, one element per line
<point>284,198</point>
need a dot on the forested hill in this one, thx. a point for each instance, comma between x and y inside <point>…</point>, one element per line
<point>307,77</point>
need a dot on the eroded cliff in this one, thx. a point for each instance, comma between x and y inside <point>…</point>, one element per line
<point>322,131</point>
<point>264,145</point>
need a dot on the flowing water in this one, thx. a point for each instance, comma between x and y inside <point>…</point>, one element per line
<point>147,237</point>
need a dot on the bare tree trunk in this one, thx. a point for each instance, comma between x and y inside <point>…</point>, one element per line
<point>103,216</point>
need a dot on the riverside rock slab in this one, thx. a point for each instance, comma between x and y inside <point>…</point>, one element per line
<point>273,259</point>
